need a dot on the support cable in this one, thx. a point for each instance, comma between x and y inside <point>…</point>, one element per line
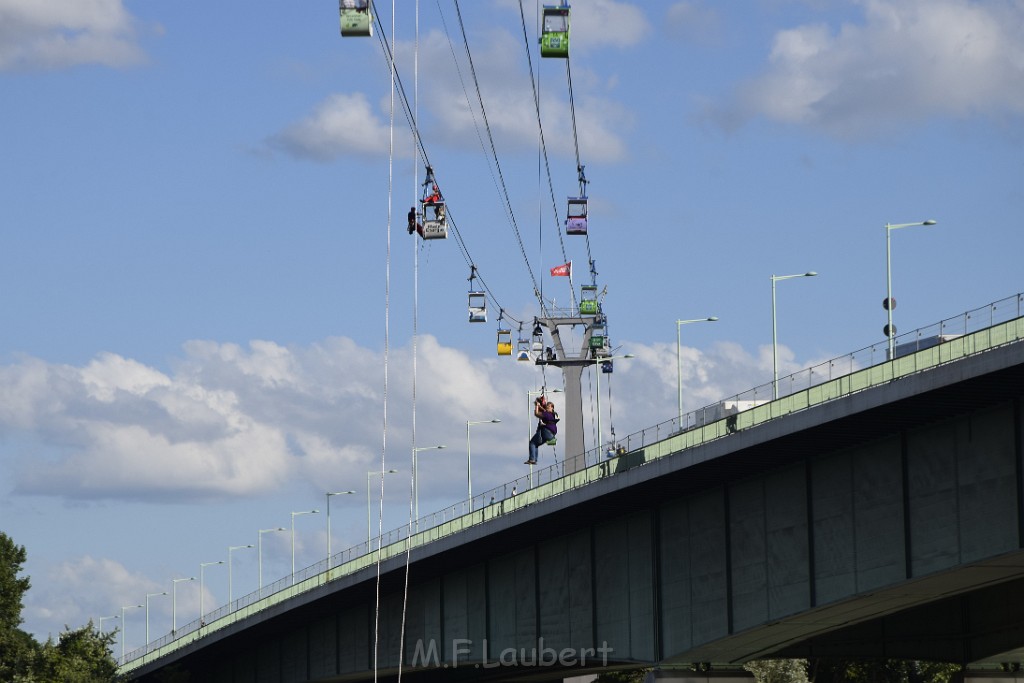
<point>387,340</point>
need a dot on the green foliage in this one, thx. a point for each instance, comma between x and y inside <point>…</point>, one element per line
<point>12,588</point>
<point>79,656</point>
<point>881,671</point>
<point>17,648</point>
<point>778,670</point>
<point>631,676</point>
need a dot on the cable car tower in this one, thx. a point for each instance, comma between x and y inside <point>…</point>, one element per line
<point>572,362</point>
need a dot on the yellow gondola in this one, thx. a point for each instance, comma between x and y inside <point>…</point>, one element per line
<point>504,342</point>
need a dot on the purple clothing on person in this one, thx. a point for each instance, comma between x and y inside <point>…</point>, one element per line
<point>550,422</point>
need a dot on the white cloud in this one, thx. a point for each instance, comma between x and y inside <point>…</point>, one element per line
<point>77,590</point>
<point>341,125</point>
<point>449,111</point>
<point>907,61</point>
<point>53,34</point>
<point>234,421</point>
<point>598,23</point>
<point>692,21</point>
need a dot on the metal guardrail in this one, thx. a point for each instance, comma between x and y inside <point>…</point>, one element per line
<point>965,335</point>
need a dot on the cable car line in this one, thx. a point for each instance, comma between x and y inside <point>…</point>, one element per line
<point>421,148</point>
<point>494,151</point>
<point>543,140</point>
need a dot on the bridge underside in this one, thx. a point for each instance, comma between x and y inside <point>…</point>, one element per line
<point>887,523</point>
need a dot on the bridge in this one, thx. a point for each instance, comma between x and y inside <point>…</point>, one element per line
<point>875,509</point>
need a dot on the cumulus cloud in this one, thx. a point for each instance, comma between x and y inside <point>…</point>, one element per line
<point>53,34</point>
<point>692,21</point>
<point>590,22</point>
<point>904,62</point>
<point>449,111</point>
<point>233,421</point>
<point>79,589</point>
<point>341,125</point>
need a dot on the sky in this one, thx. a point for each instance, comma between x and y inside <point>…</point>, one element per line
<point>212,313</point>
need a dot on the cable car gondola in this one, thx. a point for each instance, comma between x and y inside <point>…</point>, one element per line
<point>504,342</point>
<point>435,219</point>
<point>356,17</point>
<point>523,349</point>
<point>576,216</point>
<point>554,38</point>
<point>588,300</point>
<point>477,307</point>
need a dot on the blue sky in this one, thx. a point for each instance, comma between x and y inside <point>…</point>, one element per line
<point>202,286</point>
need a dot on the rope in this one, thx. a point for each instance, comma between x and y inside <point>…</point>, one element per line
<point>415,357</point>
<point>387,349</point>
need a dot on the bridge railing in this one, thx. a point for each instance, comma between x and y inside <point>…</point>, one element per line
<point>950,339</point>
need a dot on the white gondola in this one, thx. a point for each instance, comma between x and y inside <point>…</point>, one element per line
<point>435,223</point>
<point>478,307</point>
<point>523,350</point>
<point>356,17</point>
<point>576,216</point>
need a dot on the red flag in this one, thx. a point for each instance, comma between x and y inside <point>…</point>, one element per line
<point>564,270</point>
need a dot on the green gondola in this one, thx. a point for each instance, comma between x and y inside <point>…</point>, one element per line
<point>554,38</point>
<point>356,17</point>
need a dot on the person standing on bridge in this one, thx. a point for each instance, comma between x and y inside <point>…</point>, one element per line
<point>547,427</point>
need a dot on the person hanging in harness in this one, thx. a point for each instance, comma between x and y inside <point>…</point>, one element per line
<point>547,427</point>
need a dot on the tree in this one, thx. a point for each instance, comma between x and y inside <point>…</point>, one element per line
<point>79,656</point>
<point>17,648</point>
<point>778,670</point>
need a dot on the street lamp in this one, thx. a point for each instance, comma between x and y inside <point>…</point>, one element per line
<point>775,339</point>
<point>148,596</point>
<point>368,475</point>
<point>329,494</point>
<point>294,515</point>
<point>231,548</point>
<point>124,627</point>
<point>469,458</point>
<point>890,303</point>
<point>679,360</point>
<point>597,385</point>
<point>202,582</point>
<point>259,551</point>
<point>174,601</point>
<point>416,480</point>
<point>101,621</point>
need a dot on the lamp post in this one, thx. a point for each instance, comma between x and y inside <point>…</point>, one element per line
<point>775,339</point>
<point>148,596</point>
<point>679,359</point>
<point>174,601</point>
<point>102,618</point>
<point>294,515</point>
<point>597,384</point>
<point>329,494</point>
<point>890,303</point>
<point>469,458</point>
<point>124,628</point>
<point>230,549</point>
<point>416,479</point>
<point>259,551</point>
<point>368,475</point>
<point>202,583</point>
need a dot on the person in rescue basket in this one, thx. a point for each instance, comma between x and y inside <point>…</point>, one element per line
<point>547,427</point>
